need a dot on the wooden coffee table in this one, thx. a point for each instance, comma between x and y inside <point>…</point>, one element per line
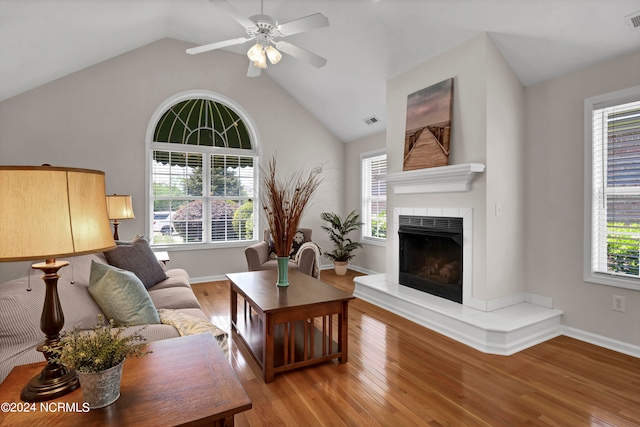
<point>186,381</point>
<point>288,328</point>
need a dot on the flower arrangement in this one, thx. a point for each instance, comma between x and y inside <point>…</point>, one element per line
<point>101,348</point>
<point>284,202</point>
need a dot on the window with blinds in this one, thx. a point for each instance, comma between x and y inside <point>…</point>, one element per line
<point>203,175</point>
<point>374,196</point>
<point>615,179</point>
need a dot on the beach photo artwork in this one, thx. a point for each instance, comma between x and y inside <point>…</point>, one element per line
<point>427,139</point>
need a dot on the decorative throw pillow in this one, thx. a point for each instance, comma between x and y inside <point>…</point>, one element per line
<point>298,240</point>
<point>191,325</point>
<point>272,248</point>
<point>138,258</point>
<point>121,296</point>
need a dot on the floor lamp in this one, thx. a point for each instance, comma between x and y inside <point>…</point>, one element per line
<point>119,207</point>
<point>48,213</point>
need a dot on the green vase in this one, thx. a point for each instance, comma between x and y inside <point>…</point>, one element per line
<point>283,271</point>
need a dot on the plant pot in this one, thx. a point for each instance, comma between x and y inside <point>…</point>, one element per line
<point>102,388</point>
<point>340,267</point>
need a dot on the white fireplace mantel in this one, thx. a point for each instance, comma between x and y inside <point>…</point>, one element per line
<point>433,180</point>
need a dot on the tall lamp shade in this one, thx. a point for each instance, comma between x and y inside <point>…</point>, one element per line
<point>51,212</point>
<point>119,207</point>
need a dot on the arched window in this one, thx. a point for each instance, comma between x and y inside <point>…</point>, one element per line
<point>203,172</point>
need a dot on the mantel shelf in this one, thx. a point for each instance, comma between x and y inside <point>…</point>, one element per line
<point>440,179</point>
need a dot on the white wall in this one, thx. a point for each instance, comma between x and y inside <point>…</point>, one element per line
<point>487,128</point>
<point>505,178</point>
<point>371,258</point>
<point>554,154</point>
<point>466,64</point>
<point>97,118</point>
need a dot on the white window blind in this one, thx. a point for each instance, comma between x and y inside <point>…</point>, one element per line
<point>615,212</point>
<point>209,197</point>
<point>374,196</point>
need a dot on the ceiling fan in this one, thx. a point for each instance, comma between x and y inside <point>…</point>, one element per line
<point>265,31</point>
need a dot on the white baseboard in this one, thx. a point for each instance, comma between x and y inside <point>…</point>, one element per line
<point>207,279</point>
<point>350,267</point>
<point>362,270</point>
<point>204,279</point>
<point>601,341</point>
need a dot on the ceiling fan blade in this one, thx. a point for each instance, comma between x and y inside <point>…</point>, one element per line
<point>234,13</point>
<point>311,22</point>
<point>253,71</point>
<point>217,45</point>
<point>298,52</point>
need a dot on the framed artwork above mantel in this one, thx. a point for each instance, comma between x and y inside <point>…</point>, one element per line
<point>427,140</point>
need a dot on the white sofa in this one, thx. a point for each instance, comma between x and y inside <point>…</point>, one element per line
<point>21,308</point>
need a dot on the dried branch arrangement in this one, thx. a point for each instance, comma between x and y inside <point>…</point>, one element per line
<point>284,203</point>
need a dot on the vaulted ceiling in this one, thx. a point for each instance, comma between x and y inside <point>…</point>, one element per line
<point>367,42</point>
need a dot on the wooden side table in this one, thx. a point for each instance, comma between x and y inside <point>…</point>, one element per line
<point>186,381</point>
<point>162,257</point>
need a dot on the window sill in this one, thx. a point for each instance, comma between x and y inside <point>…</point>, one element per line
<point>611,280</point>
<point>374,241</point>
<point>202,246</point>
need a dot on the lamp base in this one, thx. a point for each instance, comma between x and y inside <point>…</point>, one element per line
<point>115,230</point>
<point>54,381</point>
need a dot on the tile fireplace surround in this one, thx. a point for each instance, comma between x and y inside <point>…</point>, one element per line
<point>503,327</point>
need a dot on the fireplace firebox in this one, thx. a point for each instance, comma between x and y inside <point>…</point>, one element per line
<point>431,255</point>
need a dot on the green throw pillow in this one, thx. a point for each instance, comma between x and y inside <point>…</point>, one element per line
<point>121,296</point>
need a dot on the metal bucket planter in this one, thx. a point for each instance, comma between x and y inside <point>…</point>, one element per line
<point>101,389</point>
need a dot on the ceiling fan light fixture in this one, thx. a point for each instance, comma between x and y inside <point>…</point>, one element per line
<point>256,53</point>
<point>265,33</point>
<point>274,55</point>
<point>261,63</point>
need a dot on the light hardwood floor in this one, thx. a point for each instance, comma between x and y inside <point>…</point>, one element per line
<point>402,374</point>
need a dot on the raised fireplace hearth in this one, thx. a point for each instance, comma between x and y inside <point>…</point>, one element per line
<point>503,326</point>
<point>431,255</point>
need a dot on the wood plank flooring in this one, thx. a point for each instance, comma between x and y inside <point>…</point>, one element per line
<point>402,374</point>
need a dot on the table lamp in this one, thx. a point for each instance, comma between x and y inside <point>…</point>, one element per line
<point>51,212</point>
<point>119,207</point>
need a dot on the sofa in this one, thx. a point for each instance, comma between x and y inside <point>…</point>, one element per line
<point>21,303</point>
<point>305,255</point>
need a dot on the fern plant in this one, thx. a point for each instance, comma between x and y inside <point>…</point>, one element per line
<point>338,229</point>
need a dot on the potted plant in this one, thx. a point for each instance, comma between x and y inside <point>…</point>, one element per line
<point>338,230</point>
<point>98,355</point>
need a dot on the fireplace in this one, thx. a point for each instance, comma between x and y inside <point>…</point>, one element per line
<point>431,250</point>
